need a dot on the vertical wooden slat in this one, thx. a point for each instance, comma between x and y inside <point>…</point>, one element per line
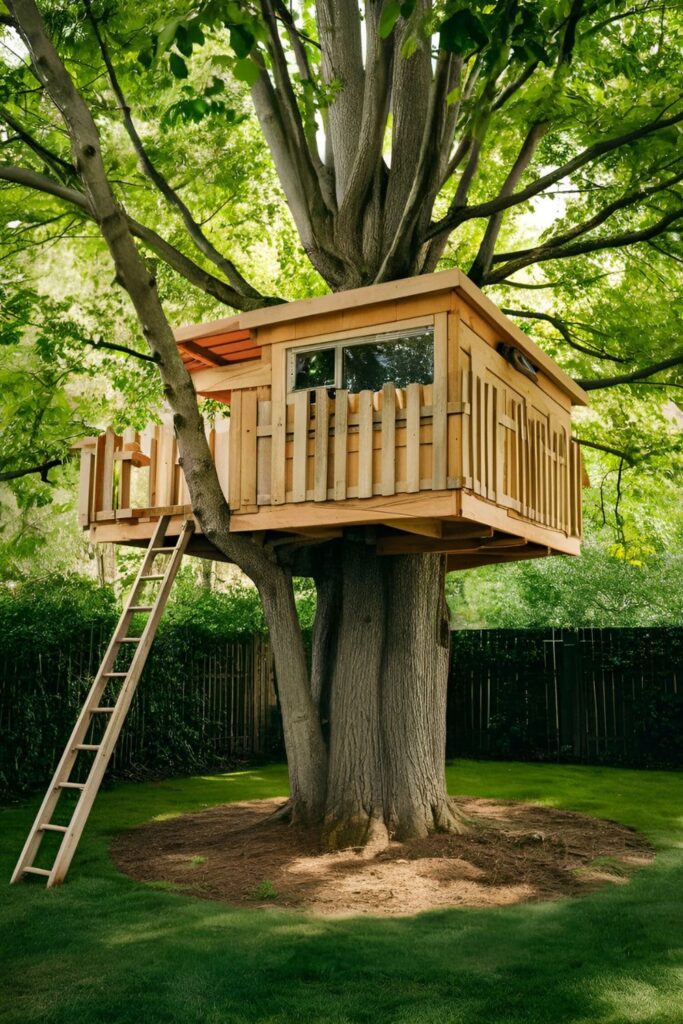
<point>389,439</point>
<point>222,453</point>
<point>85,485</point>
<point>107,503</point>
<point>440,403</point>
<point>465,377</point>
<point>263,452</point>
<point>300,457</point>
<point>522,453</point>
<point>235,450</point>
<point>341,420</point>
<point>365,444</point>
<point>249,437</point>
<point>413,438</point>
<point>279,432</point>
<point>153,467</point>
<point>321,444</point>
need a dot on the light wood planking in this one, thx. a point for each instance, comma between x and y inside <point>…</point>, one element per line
<point>389,439</point>
<point>321,444</point>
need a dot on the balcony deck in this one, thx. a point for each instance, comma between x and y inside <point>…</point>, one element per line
<point>479,464</point>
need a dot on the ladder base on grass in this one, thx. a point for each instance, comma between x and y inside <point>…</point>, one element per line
<point>113,711</point>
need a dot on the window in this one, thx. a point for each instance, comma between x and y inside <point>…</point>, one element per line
<point>400,358</point>
<point>314,369</point>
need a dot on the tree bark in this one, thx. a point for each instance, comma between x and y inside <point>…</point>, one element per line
<point>387,700</point>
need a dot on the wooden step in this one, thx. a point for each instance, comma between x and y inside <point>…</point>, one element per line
<point>164,550</point>
<point>105,748</point>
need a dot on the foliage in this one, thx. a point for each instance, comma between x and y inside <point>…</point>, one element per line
<point>565,266</point>
<point>177,957</point>
<point>53,638</point>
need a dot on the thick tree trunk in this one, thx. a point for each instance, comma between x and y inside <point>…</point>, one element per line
<point>386,698</point>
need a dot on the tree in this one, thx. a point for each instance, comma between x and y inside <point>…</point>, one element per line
<point>440,125</point>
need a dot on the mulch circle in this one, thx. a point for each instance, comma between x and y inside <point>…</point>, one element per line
<point>514,853</point>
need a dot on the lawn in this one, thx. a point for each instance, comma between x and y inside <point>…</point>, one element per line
<point>103,948</point>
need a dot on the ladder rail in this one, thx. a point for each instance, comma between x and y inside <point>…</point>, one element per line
<point>112,732</point>
<point>115,724</point>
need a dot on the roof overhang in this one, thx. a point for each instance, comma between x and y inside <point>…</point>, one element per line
<point>233,339</point>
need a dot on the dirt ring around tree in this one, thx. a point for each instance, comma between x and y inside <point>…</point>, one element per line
<point>514,853</point>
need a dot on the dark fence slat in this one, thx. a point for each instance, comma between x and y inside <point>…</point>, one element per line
<point>606,696</point>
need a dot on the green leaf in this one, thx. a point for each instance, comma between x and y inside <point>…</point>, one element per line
<point>407,8</point>
<point>391,12</point>
<point>247,71</point>
<point>145,57</point>
<point>178,66</point>
<point>217,85</point>
<point>167,35</point>
<point>461,32</point>
<point>241,40</point>
<point>183,41</point>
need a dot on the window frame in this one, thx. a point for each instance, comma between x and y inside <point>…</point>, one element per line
<point>338,344</point>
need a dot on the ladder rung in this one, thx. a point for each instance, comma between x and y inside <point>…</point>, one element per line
<point>157,550</point>
<point>130,640</point>
<point>86,746</point>
<point>154,576</point>
<point>114,674</point>
<point>103,711</point>
<point>53,828</point>
<point>37,871</point>
<point>140,607</point>
<point>70,785</point>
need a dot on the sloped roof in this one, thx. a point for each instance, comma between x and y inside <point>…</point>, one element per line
<point>222,349</point>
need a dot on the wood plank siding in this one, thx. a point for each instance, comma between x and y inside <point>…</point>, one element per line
<point>481,444</point>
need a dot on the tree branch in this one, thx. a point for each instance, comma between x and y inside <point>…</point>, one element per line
<point>42,469</point>
<point>606,448</point>
<point>596,245</point>
<point>524,257</point>
<point>562,329</point>
<point>175,259</point>
<point>460,214</point>
<point>120,348</point>
<point>56,162</point>
<point>629,378</point>
<point>199,239</point>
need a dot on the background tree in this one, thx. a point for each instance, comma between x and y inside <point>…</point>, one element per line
<point>404,136</point>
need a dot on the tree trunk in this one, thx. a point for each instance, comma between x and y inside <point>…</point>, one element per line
<point>387,699</point>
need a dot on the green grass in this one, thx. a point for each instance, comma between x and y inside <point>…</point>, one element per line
<point>105,949</point>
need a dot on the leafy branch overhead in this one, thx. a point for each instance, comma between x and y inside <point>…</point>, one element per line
<point>404,135</point>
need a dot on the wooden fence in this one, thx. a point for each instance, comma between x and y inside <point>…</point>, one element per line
<point>597,696</point>
<point>199,705</point>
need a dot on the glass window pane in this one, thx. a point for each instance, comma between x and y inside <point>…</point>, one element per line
<point>408,360</point>
<point>314,369</point>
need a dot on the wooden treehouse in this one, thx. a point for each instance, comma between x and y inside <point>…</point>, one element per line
<point>415,408</point>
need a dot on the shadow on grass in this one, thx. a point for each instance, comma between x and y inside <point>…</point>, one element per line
<point>103,948</point>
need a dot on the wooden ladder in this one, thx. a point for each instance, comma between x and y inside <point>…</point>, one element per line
<point>107,676</point>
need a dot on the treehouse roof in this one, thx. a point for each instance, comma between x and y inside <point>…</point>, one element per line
<point>235,339</point>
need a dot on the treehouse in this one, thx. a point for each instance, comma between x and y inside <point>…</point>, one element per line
<point>414,408</point>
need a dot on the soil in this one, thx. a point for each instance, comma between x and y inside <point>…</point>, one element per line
<point>513,853</point>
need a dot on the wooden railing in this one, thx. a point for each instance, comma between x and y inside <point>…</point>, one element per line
<point>519,457</point>
<point>328,447</point>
